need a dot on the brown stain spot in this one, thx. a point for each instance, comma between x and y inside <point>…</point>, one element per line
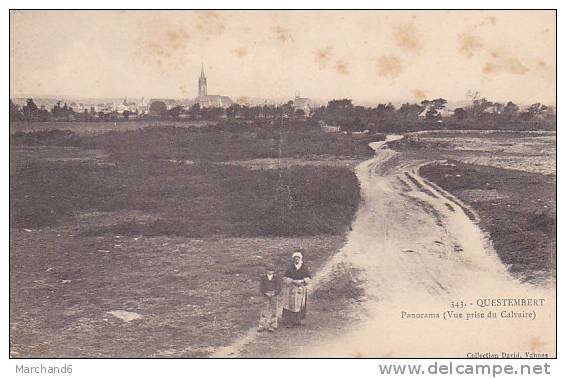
<point>389,66</point>
<point>535,344</point>
<point>501,61</point>
<point>488,68</point>
<point>176,38</point>
<point>506,64</point>
<point>282,34</point>
<point>322,56</point>
<point>342,68</point>
<point>359,355</point>
<point>469,44</point>
<point>210,15</point>
<point>509,64</point>
<point>164,50</point>
<point>240,52</point>
<point>210,24</point>
<point>419,94</point>
<point>407,38</point>
<point>541,64</point>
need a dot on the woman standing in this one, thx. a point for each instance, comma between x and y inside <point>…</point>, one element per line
<point>297,278</point>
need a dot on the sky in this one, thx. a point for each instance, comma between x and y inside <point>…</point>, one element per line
<point>368,56</point>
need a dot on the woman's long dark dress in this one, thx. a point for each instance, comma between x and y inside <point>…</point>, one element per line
<point>292,313</point>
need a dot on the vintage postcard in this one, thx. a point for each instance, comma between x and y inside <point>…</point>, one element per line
<point>292,183</point>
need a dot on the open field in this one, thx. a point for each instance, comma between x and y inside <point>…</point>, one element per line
<point>213,143</point>
<point>103,223</point>
<point>96,127</point>
<point>193,295</point>
<point>524,151</point>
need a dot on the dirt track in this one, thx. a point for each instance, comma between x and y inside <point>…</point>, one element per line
<point>420,250</point>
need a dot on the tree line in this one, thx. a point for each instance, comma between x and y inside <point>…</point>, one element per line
<point>480,113</point>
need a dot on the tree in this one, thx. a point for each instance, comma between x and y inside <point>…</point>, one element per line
<point>498,107</point>
<point>300,113</point>
<point>233,110</point>
<point>433,108</point>
<point>439,103</point>
<point>195,111</point>
<point>125,114</point>
<point>158,109</point>
<point>288,108</point>
<point>30,110</point>
<point>43,114</point>
<point>510,110</point>
<point>479,106</point>
<point>409,111</point>
<point>460,114</point>
<point>537,108</point>
<point>15,113</point>
<point>340,105</point>
<point>175,111</point>
<point>213,113</point>
<point>382,111</point>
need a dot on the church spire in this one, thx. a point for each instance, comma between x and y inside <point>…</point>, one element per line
<point>202,83</point>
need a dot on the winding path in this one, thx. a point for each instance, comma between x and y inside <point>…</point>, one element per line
<point>419,250</point>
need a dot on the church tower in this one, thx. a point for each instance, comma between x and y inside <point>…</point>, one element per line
<point>202,83</point>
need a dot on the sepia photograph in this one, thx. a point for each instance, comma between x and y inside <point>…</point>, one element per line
<point>282,184</point>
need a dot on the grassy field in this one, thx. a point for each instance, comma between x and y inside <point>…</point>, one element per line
<point>89,128</point>
<point>106,222</point>
<point>187,200</point>
<point>213,143</point>
<point>509,179</point>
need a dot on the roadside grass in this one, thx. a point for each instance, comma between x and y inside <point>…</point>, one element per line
<point>517,209</point>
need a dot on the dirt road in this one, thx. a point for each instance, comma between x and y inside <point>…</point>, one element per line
<point>421,252</point>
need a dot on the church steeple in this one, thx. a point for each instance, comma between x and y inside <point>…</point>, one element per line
<point>202,83</point>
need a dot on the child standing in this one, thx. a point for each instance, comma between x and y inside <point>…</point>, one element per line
<point>269,286</point>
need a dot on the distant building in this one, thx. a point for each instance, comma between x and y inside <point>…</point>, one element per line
<point>442,113</point>
<point>327,128</point>
<point>210,101</point>
<point>303,103</point>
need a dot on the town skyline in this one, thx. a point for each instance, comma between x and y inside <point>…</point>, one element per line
<point>272,55</point>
